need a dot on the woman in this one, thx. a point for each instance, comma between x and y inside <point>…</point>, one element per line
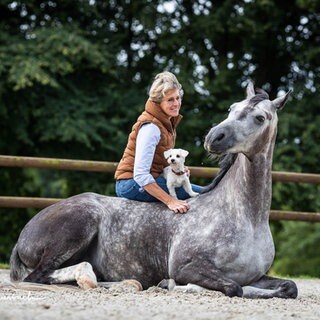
<point>138,173</point>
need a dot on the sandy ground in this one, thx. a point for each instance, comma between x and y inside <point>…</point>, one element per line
<point>154,303</point>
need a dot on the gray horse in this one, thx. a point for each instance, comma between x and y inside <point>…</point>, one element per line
<point>222,243</point>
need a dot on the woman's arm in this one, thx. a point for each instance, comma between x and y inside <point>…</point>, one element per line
<point>147,140</point>
<point>177,206</point>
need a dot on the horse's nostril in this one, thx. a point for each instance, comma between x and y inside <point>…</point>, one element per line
<point>220,137</point>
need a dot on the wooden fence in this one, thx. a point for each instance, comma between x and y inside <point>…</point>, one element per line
<point>109,167</point>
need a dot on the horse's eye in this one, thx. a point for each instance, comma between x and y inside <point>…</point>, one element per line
<point>260,118</point>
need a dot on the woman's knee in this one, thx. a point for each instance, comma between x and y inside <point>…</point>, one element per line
<point>126,188</point>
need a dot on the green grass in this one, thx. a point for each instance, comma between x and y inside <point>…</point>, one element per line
<point>271,273</point>
<point>4,266</point>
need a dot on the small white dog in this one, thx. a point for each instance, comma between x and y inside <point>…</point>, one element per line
<point>176,173</point>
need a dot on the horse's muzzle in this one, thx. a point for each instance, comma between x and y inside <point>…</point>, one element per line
<point>219,140</point>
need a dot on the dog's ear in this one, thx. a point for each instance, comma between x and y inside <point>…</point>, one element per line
<point>184,152</point>
<point>167,153</point>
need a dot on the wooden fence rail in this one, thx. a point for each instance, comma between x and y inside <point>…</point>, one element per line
<point>102,166</point>
<point>29,202</point>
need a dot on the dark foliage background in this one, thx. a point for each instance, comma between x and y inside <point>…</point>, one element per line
<point>74,76</point>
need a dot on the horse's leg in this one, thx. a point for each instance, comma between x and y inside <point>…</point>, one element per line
<point>54,256</point>
<point>50,260</point>
<point>170,284</point>
<point>201,272</point>
<point>82,273</point>
<point>268,287</point>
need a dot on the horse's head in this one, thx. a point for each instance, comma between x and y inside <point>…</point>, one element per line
<point>251,123</point>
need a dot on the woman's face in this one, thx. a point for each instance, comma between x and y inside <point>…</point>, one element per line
<point>171,103</point>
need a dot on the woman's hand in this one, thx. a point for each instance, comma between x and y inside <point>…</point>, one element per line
<point>178,206</point>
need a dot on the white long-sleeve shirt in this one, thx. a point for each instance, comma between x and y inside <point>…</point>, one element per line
<point>147,140</point>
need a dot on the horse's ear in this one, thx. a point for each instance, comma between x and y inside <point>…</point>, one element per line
<point>250,90</point>
<point>281,101</point>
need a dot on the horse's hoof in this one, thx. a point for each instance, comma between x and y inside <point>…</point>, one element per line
<point>129,285</point>
<point>85,277</point>
<point>288,290</point>
<point>132,283</point>
<point>167,284</point>
<point>86,282</point>
<point>233,291</point>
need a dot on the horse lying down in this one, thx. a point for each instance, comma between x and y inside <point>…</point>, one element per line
<point>222,243</point>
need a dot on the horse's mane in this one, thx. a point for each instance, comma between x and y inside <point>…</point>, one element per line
<point>260,96</point>
<point>225,163</point>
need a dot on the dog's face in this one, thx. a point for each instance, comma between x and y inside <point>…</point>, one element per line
<point>176,156</point>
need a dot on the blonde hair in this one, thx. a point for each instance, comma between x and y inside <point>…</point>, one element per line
<point>164,82</point>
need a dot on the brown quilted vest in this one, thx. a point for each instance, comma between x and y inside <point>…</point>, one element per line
<point>154,114</point>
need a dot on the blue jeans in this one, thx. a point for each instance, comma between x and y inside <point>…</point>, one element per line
<point>128,188</point>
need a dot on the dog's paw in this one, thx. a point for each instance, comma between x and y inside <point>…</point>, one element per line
<point>194,194</point>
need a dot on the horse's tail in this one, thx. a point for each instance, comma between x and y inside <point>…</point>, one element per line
<point>18,271</point>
